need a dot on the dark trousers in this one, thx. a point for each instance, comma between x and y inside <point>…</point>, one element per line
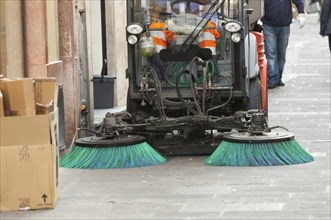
<point>329,42</point>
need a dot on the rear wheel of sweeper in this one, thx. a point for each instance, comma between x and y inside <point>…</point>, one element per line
<point>255,99</point>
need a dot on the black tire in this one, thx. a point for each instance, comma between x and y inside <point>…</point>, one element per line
<point>255,99</point>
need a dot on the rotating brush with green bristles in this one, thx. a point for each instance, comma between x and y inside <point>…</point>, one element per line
<point>267,149</point>
<point>111,147</point>
<point>126,151</point>
<point>260,145</point>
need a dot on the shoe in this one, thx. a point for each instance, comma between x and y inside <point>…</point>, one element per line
<point>271,86</point>
<point>280,83</point>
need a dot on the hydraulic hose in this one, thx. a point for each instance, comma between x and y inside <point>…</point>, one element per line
<point>188,108</point>
<point>174,69</point>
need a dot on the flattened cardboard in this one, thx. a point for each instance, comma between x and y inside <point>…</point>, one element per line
<point>45,91</point>
<point>4,90</point>
<point>2,111</point>
<point>19,95</point>
<point>55,137</point>
<point>24,130</point>
<point>29,157</point>
<point>28,177</point>
<point>29,172</point>
<point>44,109</point>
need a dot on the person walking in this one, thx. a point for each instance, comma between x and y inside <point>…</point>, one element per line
<point>276,29</point>
<point>326,20</point>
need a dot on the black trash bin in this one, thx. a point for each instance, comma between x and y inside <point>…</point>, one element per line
<point>103,90</point>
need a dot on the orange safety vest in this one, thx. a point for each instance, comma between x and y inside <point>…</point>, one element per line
<point>160,37</point>
<point>208,38</point>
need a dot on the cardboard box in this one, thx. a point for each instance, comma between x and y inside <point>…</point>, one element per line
<point>46,91</point>
<point>19,96</point>
<point>44,109</point>
<point>46,95</point>
<point>29,158</point>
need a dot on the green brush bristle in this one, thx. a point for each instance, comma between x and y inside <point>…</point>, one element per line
<point>258,154</point>
<point>108,157</point>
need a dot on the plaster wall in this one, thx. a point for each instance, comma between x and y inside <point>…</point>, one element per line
<point>117,48</point>
<point>93,20</point>
<point>36,38</point>
<point>13,39</point>
<point>69,77</point>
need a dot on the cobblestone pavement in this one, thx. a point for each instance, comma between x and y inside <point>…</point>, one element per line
<point>184,188</point>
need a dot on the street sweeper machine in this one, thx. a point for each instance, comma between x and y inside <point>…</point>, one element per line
<point>197,85</point>
<point>193,71</point>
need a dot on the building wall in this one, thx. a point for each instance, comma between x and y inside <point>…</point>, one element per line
<point>70,75</point>
<point>46,43</point>
<point>36,38</point>
<point>94,42</point>
<point>42,44</point>
<point>11,44</point>
<point>93,51</point>
<point>3,48</point>
<point>52,31</point>
<point>117,47</point>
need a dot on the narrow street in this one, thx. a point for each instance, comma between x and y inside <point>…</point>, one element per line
<point>184,188</point>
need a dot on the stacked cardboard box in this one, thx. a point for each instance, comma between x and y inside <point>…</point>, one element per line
<point>28,144</point>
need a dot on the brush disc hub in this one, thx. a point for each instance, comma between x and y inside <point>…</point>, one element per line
<point>121,141</point>
<point>268,137</point>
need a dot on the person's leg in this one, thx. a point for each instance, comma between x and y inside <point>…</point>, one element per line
<point>282,40</point>
<point>329,42</point>
<point>270,43</point>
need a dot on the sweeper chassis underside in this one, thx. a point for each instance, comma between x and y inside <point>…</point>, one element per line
<point>190,135</point>
<point>209,143</point>
<point>185,146</point>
